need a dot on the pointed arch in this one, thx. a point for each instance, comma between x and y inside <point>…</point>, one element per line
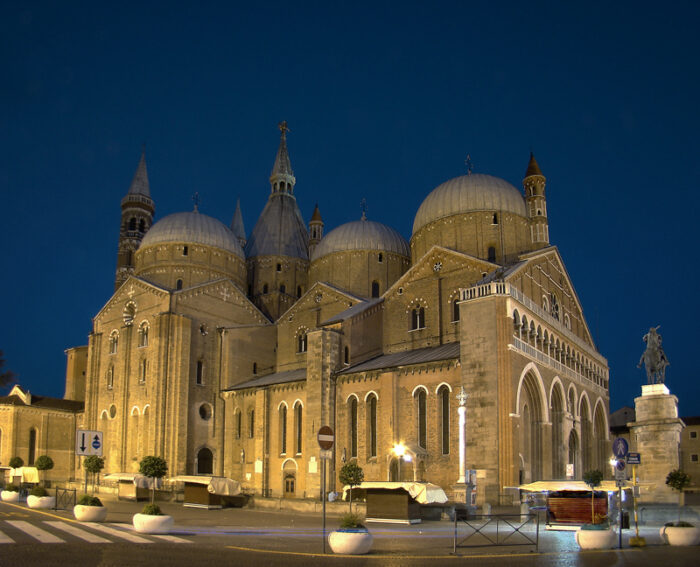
<point>531,368</point>
<point>440,385</point>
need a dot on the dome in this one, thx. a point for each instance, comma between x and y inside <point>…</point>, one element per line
<point>362,235</point>
<point>194,228</point>
<point>473,192</point>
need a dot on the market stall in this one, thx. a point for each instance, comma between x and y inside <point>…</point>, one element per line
<point>207,491</point>
<point>132,486</point>
<point>397,502</point>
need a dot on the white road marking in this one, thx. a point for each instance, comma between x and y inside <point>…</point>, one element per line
<point>173,539</point>
<point>77,532</point>
<point>120,533</point>
<point>5,538</point>
<point>35,532</point>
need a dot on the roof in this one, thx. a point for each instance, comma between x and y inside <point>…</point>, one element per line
<point>351,312</point>
<point>280,230</point>
<point>532,167</point>
<point>473,192</point>
<point>195,228</point>
<point>139,184</point>
<point>271,379</point>
<point>44,402</point>
<point>362,235</point>
<point>406,358</point>
<point>237,226</point>
<point>620,418</point>
<point>691,420</point>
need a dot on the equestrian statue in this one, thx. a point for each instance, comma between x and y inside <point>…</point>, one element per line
<point>654,357</point>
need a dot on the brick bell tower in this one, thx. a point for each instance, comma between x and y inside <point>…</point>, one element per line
<point>534,184</point>
<point>137,217</point>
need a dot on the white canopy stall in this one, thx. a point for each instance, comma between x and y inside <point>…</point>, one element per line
<point>207,491</point>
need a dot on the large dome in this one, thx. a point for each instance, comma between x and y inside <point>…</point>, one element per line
<point>473,192</point>
<point>362,235</point>
<point>193,228</point>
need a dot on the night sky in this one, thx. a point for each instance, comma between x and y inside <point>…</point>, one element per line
<point>384,101</point>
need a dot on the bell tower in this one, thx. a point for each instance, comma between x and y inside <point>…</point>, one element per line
<point>534,185</point>
<point>137,217</point>
<point>315,229</point>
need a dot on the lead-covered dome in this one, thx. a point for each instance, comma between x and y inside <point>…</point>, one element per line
<point>473,192</point>
<point>193,228</point>
<point>362,235</point>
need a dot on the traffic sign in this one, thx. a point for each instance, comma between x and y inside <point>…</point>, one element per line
<point>634,459</point>
<point>620,447</point>
<point>88,442</point>
<point>620,472</point>
<point>326,437</point>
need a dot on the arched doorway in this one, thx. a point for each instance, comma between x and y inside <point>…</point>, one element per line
<point>205,461</point>
<point>558,449</point>
<point>530,428</point>
<point>394,471</point>
<point>289,479</point>
<point>573,454</point>
<point>586,441</point>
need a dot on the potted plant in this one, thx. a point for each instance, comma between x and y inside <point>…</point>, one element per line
<point>39,498</point>
<point>16,462</point>
<point>43,463</point>
<point>679,533</point>
<point>598,534</point>
<point>89,509</point>
<point>10,494</point>
<point>352,538</point>
<point>151,520</point>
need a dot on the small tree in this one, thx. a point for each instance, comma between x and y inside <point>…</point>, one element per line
<point>16,462</point>
<point>93,465</point>
<point>678,480</point>
<point>593,479</point>
<point>352,475</point>
<point>44,463</point>
<point>153,468</point>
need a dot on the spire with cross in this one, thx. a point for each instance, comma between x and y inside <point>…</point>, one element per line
<point>196,201</point>
<point>469,164</point>
<point>363,207</point>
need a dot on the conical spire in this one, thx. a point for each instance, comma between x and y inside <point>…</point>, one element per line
<point>316,216</point>
<point>237,225</point>
<point>139,184</point>
<point>282,177</point>
<point>532,167</point>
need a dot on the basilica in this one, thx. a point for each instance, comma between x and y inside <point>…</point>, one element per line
<point>225,351</point>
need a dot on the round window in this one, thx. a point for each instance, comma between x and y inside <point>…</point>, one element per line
<point>205,411</point>
<point>112,411</point>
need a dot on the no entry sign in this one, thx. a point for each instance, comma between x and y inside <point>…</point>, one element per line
<point>326,437</point>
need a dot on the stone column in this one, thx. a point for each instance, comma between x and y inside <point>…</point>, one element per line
<point>656,436</point>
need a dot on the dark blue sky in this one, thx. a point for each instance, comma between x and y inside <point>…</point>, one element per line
<point>384,101</point>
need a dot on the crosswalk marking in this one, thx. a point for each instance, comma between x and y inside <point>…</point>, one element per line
<point>77,532</point>
<point>5,538</point>
<point>35,532</point>
<point>120,533</point>
<point>172,539</point>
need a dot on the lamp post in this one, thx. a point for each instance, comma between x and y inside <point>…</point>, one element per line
<point>462,411</point>
<point>400,451</point>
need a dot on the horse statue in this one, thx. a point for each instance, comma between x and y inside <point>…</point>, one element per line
<point>654,357</point>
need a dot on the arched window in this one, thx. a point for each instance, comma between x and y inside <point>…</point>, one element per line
<point>185,250</point>
<point>380,258</point>
<point>353,427</point>
<point>251,423</point>
<point>199,377</point>
<point>255,368</point>
<point>455,309</point>
<point>283,429</point>
<point>178,284</point>
<point>142,225</point>
<point>417,318</point>
<point>143,334</point>
<point>110,377</point>
<point>264,288</point>
<point>346,355</point>
<point>422,414</point>
<point>375,289</point>
<point>492,254</point>
<point>32,447</point>
<point>495,218</point>
<point>239,424</point>
<point>279,267</point>
<point>372,425</point>
<point>143,367</point>
<point>298,291</point>
<point>283,288</point>
<point>113,342</point>
<point>298,429</point>
<point>132,223</point>
<point>301,343</point>
<point>444,413</point>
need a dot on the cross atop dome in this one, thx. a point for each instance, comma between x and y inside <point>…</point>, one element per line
<point>283,128</point>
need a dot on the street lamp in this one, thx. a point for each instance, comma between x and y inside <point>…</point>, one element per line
<point>400,451</point>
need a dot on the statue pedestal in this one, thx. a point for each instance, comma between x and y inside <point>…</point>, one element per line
<point>656,435</point>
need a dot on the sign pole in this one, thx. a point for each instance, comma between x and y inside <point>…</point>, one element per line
<point>323,496</point>
<point>619,516</point>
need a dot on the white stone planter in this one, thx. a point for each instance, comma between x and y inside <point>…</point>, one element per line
<point>595,539</point>
<point>41,501</point>
<point>680,536</point>
<point>89,513</point>
<point>146,524</point>
<point>350,541</point>
<point>9,496</point>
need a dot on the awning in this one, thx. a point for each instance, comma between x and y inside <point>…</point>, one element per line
<point>139,480</point>
<point>26,474</point>
<point>421,492</point>
<point>215,484</point>
<point>573,485</point>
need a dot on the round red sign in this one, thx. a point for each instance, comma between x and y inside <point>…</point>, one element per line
<point>326,437</point>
